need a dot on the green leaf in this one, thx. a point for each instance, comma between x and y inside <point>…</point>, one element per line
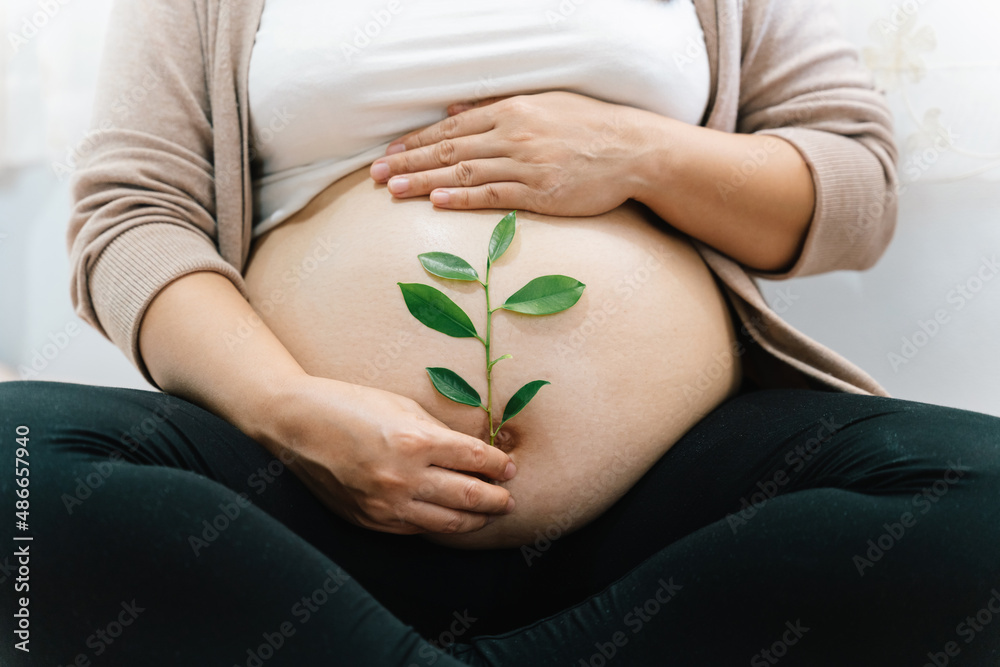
<point>446,265</point>
<point>545,295</point>
<point>521,398</point>
<point>451,385</point>
<point>503,234</point>
<point>432,307</point>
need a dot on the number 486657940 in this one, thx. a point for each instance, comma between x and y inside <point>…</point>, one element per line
<point>21,471</point>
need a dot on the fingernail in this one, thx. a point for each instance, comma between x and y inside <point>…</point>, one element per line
<point>440,197</point>
<point>395,148</point>
<point>510,505</point>
<point>490,519</point>
<point>399,184</point>
<point>509,471</point>
<point>380,171</point>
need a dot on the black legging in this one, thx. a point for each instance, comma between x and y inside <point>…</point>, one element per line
<point>792,526</point>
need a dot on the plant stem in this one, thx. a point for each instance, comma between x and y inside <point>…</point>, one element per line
<point>489,366</point>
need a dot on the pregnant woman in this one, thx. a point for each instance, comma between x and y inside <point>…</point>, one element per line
<point>699,484</point>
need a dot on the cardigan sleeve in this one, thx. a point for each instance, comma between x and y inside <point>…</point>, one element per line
<point>143,187</point>
<point>800,80</point>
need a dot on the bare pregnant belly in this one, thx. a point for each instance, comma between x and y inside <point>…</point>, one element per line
<point>622,362</point>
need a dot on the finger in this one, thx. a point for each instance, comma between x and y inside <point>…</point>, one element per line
<point>432,518</point>
<point>459,491</point>
<point>350,513</point>
<point>459,107</point>
<point>445,153</point>
<point>503,195</point>
<point>395,525</point>
<point>457,451</point>
<point>465,174</point>
<point>465,124</point>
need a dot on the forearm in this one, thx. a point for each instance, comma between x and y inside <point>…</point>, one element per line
<point>748,196</point>
<point>189,339</point>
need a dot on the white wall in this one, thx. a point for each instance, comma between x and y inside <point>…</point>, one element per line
<point>46,92</point>
<point>939,61</point>
<point>940,65</point>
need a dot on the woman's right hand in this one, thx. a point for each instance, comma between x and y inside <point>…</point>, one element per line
<point>381,461</point>
<point>373,457</point>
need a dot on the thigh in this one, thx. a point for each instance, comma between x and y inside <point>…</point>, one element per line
<point>815,528</point>
<point>754,448</point>
<point>106,428</point>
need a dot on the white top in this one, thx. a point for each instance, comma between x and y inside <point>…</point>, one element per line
<point>332,83</point>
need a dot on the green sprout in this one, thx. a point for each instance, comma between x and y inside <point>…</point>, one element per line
<point>542,296</point>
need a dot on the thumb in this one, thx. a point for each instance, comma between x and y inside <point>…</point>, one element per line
<point>459,107</point>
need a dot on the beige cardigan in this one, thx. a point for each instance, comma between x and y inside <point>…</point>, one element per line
<point>162,183</point>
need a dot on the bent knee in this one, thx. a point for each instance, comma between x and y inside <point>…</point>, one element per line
<point>104,419</point>
<point>940,447</point>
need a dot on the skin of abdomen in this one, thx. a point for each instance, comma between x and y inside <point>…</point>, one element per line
<point>645,353</point>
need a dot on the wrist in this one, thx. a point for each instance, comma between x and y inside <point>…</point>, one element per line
<point>655,162</point>
<point>295,401</point>
<point>268,414</point>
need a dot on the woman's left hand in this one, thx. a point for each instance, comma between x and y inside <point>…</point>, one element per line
<point>555,153</point>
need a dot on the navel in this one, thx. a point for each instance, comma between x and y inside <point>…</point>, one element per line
<point>507,439</point>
